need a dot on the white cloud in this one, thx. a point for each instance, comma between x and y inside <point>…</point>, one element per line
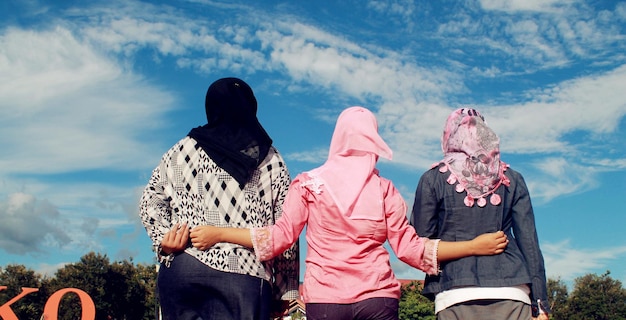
<point>620,11</point>
<point>531,42</point>
<point>411,96</point>
<point>44,65</point>
<point>534,36</point>
<point>587,104</point>
<point>617,164</point>
<point>559,176</point>
<point>538,128</point>
<point>49,270</point>
<point>409,128</point>
<point>82,110</point>
<point>512,6</point>
<point>310,55</point>
<point>565,262</point>
<point>397,11</point>
<point>317,156</point>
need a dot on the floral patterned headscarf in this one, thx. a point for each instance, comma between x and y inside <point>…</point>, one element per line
<point>472,155</point>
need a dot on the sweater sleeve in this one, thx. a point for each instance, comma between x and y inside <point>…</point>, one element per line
<point>286,258</point>
<point>155,211</point>
<point>272,240</point>
<point>424,214</point>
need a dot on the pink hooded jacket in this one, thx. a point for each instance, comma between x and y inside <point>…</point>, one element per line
<point>350,211</point>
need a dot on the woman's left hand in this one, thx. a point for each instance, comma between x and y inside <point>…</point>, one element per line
<point>176,239</point>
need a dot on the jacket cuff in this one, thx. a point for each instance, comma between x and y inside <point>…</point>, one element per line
<point>540,307</point>
<point>262,242</point>
<point>430,261</point>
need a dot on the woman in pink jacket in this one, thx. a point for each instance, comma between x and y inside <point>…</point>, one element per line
<point>350,211</point>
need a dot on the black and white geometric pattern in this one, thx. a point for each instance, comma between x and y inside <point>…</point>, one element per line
<point>188,186</point>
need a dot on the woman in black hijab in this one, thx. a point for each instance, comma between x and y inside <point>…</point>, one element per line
<point>233,136</point>
<point>224,173</point>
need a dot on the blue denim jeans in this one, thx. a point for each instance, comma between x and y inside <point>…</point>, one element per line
<point>190,290</point>
<point>368,309</point>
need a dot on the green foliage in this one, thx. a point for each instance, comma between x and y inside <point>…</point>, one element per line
<point>16,277</point>
<point>413,305</point>
<point>145,278</point>
<point>557,296</point>
<point>119,290</point>
<point>593,297</point>
<point>297,315</point>
<point>123,290</point>
<point>597,297</point>
<point>89,275</point>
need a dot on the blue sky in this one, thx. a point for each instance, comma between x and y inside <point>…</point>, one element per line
<point>92,93</point>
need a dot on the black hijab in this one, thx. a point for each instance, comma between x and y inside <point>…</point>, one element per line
<point>233,136</point>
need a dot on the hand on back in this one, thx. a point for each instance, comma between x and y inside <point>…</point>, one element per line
<point>490,243</point>
<point>176,239</point>
<point>204,237</point>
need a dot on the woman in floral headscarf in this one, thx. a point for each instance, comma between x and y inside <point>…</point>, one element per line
<point>350,212</point>
<point>469,192</point>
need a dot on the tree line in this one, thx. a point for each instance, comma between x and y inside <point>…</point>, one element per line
<point>120,290</point>
<point>123,290</point>
<point>593,297</point>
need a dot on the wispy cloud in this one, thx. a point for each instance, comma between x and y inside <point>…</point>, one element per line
<point>83,110</point>
<point>525,37</point>
<point>565,262</point>
<point>555,177</point>
<point>76,57</point>
<point>72,90</point>
<point>512,6</point>
<point>398,11</point>
<point>314,156</point>
<point>49,270</point>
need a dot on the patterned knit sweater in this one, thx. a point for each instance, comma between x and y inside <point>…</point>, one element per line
<point>188,186</point>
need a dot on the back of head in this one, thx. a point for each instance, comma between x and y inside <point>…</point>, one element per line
<point>233,136</point>
<point>230,101</point>
<point>356,132</point>
<point>354,151</point>
<point>472,155</point>
<point>467,131</point>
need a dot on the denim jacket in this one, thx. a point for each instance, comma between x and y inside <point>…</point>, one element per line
<point>439,212</point>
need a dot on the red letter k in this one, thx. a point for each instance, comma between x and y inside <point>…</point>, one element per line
<point>6,313</point>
